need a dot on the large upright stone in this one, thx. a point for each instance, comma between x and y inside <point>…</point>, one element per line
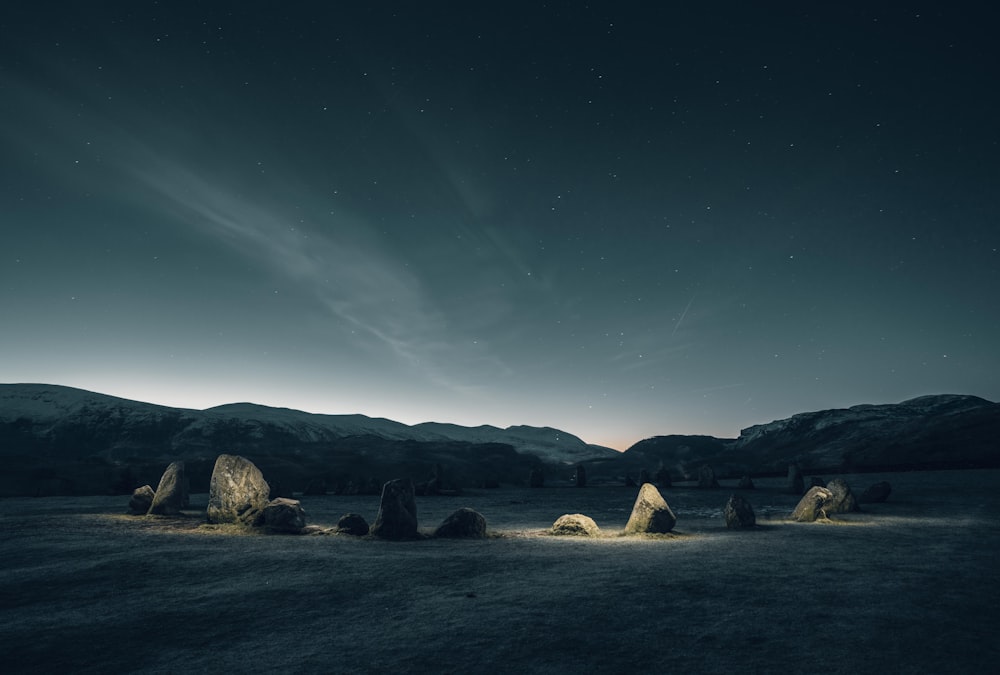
<point>843,500</point>
<point>796,484</point>
<point>142,497</point>
<point>738,513</point>
<point>650,513</point>
<point>170,494</point>
<point>397,511</point>
<point>812,505</point>
<point>237,492</point>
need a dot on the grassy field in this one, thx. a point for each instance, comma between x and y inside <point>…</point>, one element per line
<point>906,586</point>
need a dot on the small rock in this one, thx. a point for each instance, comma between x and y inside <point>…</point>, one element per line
<point>877,493</point>
<point>284,515</point>
<point>462,524</point>
<point>576,525</point>
<point>142,498</point>
<point>352,524</point>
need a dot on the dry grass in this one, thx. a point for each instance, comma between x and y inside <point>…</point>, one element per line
<point>907,586</point>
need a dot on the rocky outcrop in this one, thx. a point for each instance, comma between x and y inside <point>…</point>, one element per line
<point>170,494</point>
<point>352,524</point>
<point>812,506</point>
<point>650,513</point>
<point>877,493</point>
<point>575,525</point>
<point>462,524</point>
<point>284,515</point>
<point>237,492</point>
<point>843,500</point>
<point>738,513</point>
<point>397,511</point>
<point>141,500</point>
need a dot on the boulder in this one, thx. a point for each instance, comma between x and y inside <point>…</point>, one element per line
<point>795,484</point>
<point>650,513</point>
<point>237,492</point>
<point>580,477</point>
<point>462,524</point>
<point>397,511</point>
<point>746,482</point>
<point>877,493</point>
<point>352,524</point>
<point>812,505</point>
<point>170,494</point>
<point>142,498</point>
<point>738,513</point>
<point>576,525</point>
<point>843,500</point>
<point>706,477</point>
<point>536,478</point>
<point>284,515</point>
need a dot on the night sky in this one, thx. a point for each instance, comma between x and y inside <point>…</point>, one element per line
<point>618,219</point>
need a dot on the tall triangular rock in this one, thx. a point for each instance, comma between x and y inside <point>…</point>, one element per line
<point>650,513</point>
<point>171,494</point>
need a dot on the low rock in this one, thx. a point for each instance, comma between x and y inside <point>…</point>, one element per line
<point>462,524</point>
<point>812,505</point>
<point>876,494</point>
<point>397,511</point>
<point>284,515</point>
<point>575,525</point>
<point>650,513</point>
<point>170,493</point>
<point>237,492</point>
<point>706,477</point>
<point>352,524</point>
<point>738,513</point>
<point>142,498</point>
<point>843,500</point>
<point>746,483</point>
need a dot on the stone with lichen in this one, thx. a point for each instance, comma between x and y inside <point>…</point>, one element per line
<point>650,513</point>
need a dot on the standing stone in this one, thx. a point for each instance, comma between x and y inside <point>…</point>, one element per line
<point>843,500</point>
<point>170,494</point>
<point>876,493</point>
<point>706,477</point>
<point>581,476</point>
<point>575,525</point>
<point>237,492</point>
<point>746,482</point>
<point>663,476</point>
<point>650,513</point>
<point>462,524</point>
<point>812,505</point>
<point>142,497</point>
<point>738,513</point>
<point>795,484</point>
<point>353,524</point>
<point>536,478</point>
<point>397,511</point>
<point>284,515</point>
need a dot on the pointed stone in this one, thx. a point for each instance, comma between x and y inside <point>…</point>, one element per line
<point>650,513</point>
<point>170,494</point>
<point>812,505</point>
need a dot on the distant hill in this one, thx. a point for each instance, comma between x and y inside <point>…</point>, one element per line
<point>930,432</point>
<point>56,439</point>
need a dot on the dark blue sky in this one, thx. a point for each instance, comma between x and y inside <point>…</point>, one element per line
<point>615,220</point>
